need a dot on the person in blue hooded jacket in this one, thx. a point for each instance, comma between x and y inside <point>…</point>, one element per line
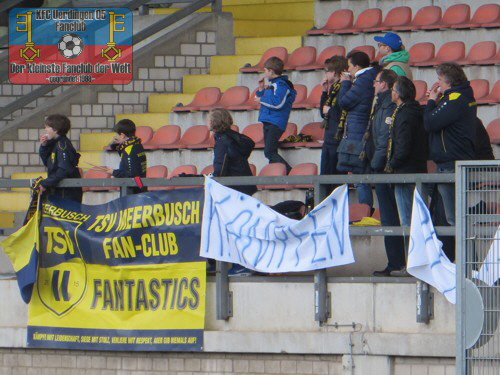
<point>276,101</point>
<point>356,97</point>
<point>450,119</point>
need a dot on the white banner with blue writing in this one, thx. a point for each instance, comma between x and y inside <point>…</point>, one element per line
<point>426,259</point>
<point>490,269</point>
<point>240,229</point>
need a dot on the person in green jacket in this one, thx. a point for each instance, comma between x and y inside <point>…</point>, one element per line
<point>394,55</point>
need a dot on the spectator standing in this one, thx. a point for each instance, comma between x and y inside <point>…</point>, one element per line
<point>60,158</point>
<point>450,120</point>
<point>133,162</point>
<point>394,55</point>
<point>378,129</point>
<point>356,96</point>
<point>276,101</point>
<point>333,116</point>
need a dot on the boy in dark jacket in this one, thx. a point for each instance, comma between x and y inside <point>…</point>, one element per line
<point>276,101</point>
<point>133,162</point>
<point>60,158</point>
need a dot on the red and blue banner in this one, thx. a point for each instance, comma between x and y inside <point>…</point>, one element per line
<point>70,46</point>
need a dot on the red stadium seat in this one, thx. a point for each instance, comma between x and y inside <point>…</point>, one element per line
<point>312,101</point>
<point>233,96</point>
<point>255,132</point>
<point>253,169</point>
<point>273,169</point>
<point>454,16</point>
<point>325,54</point>
<point>317,133</point>
<point>431,167</point>
<point>205,97</point>
<point>357,211</point>
<point>207,170</point>
<point>494,60</point>
<point>301,95</point>
<point>291,129</point>
<point>421,54</point>
<point>337,21</point>
<point>487,15</point>
<point>449,52</point>
<point>144,133</point>
<point>366,20</point>
<point>481,89</point>
<point>398,16</point>
<point>494,96</point>
<point>301,56</point>
<point>167,137</point>
<point>303,169</point>
<point>481,51</point>
<point>280,52</point>
<point>249,105</point>
<point>187,169</point>
<point>196,137</point>
<point>157,171</point>
<point>428,16</point>
<point>493,130</point>
<point>96,172</point>
<point>369,50</point>
<point>421,91</point>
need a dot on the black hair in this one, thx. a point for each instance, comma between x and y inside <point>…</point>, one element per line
<point>388,76</point>
<point>126,127</point>
<point>358,58</point>
<point>405,89</point>
<point>59,123</point>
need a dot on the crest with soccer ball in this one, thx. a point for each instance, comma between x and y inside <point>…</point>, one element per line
<point>70,46</point>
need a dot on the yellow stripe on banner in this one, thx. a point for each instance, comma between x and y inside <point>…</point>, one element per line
<point>149,297</point>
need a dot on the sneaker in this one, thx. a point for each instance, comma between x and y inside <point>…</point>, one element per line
<point>238,270</point>
<point>210,268</point>
<point>385,272</point>
<point>400,273</point>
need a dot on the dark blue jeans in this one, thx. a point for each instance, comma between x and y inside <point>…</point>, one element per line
<point>394,245</point>
<point>272,136</point>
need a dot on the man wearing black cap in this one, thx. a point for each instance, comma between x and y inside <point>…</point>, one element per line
<point>395,56</point>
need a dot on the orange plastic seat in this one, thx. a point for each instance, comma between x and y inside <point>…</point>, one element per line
<point>303,169</point>
<point>256,133</point>
<point>428,16</point>
<point>196,137</point>
<point>157,171</point>
<point>337,21</point>
<point>481,89</point>
<point>98,173</point>
<point>301,95</point>
<point>366,20</point>
<point>291,129</point>
<point>494,60</point>
<point>301,56</point>
<point>312,100</point>
<point>398,16</point>
<point>280,52</point>
<point>494,95</point>
<point>253,169</point>
<point>487,15</point>
<point>317,133</point>
<point>325,54</point>
<point>273,169</point>
<point>249,105</point>
<point>187,169</point>
<point>421,91</point>
<point>449,52</point>
<point>454,16</point>
<point>369,50</point>
<point>421,54</point>
<point>167,137</point>
<point>481,51</point>
<point>207,170</point>
<point>431,167</point>
<point>236,95</point>
<point>357,211</point>
<point>205,97</point>
<point>493,130</point>
<point>144,133</point>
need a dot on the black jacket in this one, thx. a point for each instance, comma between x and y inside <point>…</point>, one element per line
<point>231,153</point>
<point>451,126</point>
<point>133,162</point>
<point>482,146</point>
<point>333,116</point>
<point>409,141</point>
<point>61,160</point>
<point>377,144</point>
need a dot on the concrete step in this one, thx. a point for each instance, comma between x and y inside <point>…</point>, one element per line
<point>258,45</point>
<point>154,120</point>
<point>159,103</point>
<point>231,64</point>
<point>192,83</point>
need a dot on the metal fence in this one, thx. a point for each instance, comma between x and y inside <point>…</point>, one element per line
<point>478,268</point>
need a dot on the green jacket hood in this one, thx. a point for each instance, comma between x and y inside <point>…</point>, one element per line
<point>401,56</point>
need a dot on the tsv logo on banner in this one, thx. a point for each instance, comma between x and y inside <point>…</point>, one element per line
<point>70,46</point>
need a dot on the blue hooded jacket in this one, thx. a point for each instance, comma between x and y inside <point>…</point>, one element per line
<point>276,102</point>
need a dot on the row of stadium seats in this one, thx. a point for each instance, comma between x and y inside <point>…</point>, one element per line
<point>400,19</point>
<point>199,137</point>
<point>421,54</point>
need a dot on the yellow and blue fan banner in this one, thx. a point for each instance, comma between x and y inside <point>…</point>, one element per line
<point>125,275</point>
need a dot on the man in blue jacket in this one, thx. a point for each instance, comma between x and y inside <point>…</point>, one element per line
<point>276,101</point>
<point>356,97</point>
<point>450,119</point>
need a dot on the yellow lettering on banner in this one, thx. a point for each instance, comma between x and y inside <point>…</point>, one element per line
<point>122,247</point>
<point>57,236</point>
<point>147,218</point>
<point>136,221</point>
<point>97,221</point>
<point>158,214</point>
<point>159,244</point>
